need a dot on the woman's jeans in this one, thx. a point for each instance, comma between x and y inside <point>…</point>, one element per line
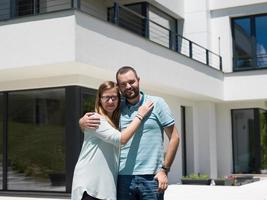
<point>138,187</point>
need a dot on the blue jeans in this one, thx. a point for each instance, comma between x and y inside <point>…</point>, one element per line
<point>138,187</point>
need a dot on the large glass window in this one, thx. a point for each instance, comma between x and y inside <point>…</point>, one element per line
<point>1,138</point>
<point>263,139</point>
<point>36,140</point>
<point>87,103</point>
<point>88,100</point>
<point>261,40</point>
<point>130,17</point>
<point>162,27</point>
<point>25,7</point>
<point>249,140</point>
<point>40,137</point>
<point>250,42</point>
<point>31,7</point>
<point>5,6</point>
<point>243,139</point>
<point>242,44</point>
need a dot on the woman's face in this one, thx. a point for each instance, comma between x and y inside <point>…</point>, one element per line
<point>109,100</point>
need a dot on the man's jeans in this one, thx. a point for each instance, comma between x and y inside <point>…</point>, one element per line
<point>138,187</point>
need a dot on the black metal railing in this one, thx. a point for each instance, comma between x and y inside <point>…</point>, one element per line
<point>141,25</point>
<point>121,16</point>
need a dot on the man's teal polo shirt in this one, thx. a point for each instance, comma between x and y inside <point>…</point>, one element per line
<point>143,154</point>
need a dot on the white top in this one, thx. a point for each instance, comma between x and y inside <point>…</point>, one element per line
<point>97,168</point>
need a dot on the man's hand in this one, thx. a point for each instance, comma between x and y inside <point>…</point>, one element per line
<point>162,178</point>
<point>90,120</point>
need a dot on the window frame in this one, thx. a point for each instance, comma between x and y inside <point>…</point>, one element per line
<point>252,19</point>
<point>256,144</point>
<point>72,134</point>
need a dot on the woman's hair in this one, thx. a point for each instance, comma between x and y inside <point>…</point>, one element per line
<point>114,120</point>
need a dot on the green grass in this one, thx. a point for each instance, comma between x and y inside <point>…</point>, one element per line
<point>36,150</point>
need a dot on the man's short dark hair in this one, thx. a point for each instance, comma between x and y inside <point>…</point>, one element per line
<point>124,70</point>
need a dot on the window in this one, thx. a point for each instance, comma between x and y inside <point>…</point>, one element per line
<point>5,6</point>
<point>25,7</point>
<point>261,41</point>
<point>88,104</point>
<point>249,140</point>
<point>147,21</point>
<point>263,138</point>
<point>162,28</point>
<point>33,7</point>
<point>1,136</point>
<point>36,140</point>
<point>131,17</point>
<point>250,42</point>
<point>41,142</point>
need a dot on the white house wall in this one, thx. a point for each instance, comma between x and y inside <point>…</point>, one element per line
<point>196,23</point>
<point>37,40</point>
<point>54,38</point>
<point>192,135</point>
<point>219,4</point>
<point>249,85</point>
<point>221,40</point>
<point>109,47</point>
<point>176,7</point>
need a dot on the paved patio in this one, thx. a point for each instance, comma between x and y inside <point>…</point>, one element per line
<point>252,191</point>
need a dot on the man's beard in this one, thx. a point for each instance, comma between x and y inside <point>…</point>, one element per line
<point>134,93</point>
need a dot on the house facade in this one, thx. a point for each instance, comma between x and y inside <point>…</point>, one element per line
<point>206,58</point>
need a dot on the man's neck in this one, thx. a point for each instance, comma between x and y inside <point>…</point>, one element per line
<point>135,100</point>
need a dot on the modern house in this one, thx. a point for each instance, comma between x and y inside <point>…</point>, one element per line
<point>206,58</point>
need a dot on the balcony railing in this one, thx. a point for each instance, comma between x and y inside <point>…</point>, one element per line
<point>121,16</point>
<point>127,18</point>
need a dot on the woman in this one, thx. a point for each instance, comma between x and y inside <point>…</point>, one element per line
<point>95,174</point>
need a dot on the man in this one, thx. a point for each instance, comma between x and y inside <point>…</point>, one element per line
<point>143,167</point>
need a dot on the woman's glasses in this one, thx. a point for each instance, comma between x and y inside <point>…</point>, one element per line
<point>107,98</point>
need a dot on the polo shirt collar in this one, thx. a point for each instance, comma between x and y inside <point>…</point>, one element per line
<point>140,102</point>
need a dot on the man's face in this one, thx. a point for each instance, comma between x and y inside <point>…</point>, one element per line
<point>129,85</point>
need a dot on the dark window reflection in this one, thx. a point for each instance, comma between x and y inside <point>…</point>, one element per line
<point>88,102</point>
<point>242,43</point>
<point>263,139</point>
<point>133,21</point>
<point>32,7</point>
<point>261,39</point>
<point>24,7</point>
<point>36,146</point>
<point>243,140</point>
<point>249,140</point>
<point>5,6</point>
<point>87,105</point>
<point>1,139</point>
<point>250,42</point>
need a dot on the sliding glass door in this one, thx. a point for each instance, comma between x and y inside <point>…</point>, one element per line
<point>249,134</point>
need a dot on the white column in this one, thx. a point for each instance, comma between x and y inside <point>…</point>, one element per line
<point>206,143</point>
